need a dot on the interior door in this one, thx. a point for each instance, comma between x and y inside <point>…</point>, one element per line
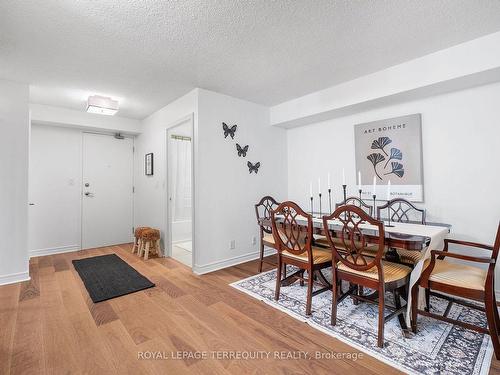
<point>107,201</point>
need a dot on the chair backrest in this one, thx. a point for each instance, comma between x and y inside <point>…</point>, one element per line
<point>289,234</point>
<point>402,211</point>
<point>263,211</point>
<point>355,201</point>
<point>351,249</point>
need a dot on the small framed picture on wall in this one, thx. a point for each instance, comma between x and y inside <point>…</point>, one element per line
<point>149,164</point>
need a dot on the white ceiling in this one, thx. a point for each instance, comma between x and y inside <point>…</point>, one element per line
<point>146,53</point>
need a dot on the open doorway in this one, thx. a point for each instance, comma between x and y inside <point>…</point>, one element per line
<point>180,191</point>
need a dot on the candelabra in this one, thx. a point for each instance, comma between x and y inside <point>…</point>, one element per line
<point>330,200</point>
<point>374,205</point>
<point>360,203</point>
<point>319,204</point>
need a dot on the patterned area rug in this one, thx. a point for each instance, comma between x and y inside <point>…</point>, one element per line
<point>437,348</point>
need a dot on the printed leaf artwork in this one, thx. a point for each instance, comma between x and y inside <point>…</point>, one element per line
<point>397,169</point>
<point>380,143</point>
<point>375,159</point>
<point>396,154</point>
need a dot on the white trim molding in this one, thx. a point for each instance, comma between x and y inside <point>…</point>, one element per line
<point>54,250</point>
<point>214,266</point>
<point>14,278</point>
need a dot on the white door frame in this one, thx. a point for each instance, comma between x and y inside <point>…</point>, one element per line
<point>168,212</point>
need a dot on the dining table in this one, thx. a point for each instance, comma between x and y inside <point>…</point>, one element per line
<point>412,236</point>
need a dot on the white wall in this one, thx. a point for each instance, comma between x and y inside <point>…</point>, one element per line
<point>226,192</point>
<point>55,190</point>
<point>461,152</point>
<point>14,159</point>
<point>150,191</point>
<point>56,172</point>
<point>462,66</point>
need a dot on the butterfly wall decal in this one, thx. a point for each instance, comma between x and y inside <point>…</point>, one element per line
<point>229,130</point>
<point>242,151</point>
<point>253,167</point>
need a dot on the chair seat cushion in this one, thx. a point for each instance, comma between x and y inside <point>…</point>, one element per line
<point>406,256</point>
<point>392,271</point>
<point>457,274</point>
<point>269,238</point>
<point>409,256</point>
<point>319,255</point>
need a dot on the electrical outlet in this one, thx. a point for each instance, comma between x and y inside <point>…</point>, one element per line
<point>232,245</point>
<point>254,240</point>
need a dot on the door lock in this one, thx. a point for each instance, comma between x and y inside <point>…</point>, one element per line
<point>88,194</point>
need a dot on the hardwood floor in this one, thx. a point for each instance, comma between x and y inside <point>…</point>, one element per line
<point>49,325</point>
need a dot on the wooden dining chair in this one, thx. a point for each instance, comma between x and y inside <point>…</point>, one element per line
<point>322,241</point>
<point>445,280</point>
<point>294,244</point>
<point>355,201</point>
<point>263,212</point>
<point>352,264</point>
<point>400,210</point>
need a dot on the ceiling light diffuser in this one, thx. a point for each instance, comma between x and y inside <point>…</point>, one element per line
<point>102,105</point>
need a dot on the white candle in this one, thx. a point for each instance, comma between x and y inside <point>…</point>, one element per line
<point>343,176</point>
<point>374,192</point>
<point>329,185</point>
<point>389,190</point>
<point>310,189</point>
<point>359,180</point>
<point>319,186</point>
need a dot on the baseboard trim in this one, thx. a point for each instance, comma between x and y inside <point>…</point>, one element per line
<point>14,278</point>
<point>54,250</point>
<point>214,266</point>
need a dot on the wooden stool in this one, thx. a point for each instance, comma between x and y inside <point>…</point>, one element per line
<point>150,240</point>
<point>137,238</point>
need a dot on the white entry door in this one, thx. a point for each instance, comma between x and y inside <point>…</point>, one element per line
<point>107,200</point>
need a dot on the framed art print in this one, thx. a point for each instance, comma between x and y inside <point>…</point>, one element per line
<point>149,164</point>
<point>391,150</point>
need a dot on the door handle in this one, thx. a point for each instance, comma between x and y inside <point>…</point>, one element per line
<point>88,194</point>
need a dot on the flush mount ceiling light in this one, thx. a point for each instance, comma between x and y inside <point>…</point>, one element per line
<point>102,105</point>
